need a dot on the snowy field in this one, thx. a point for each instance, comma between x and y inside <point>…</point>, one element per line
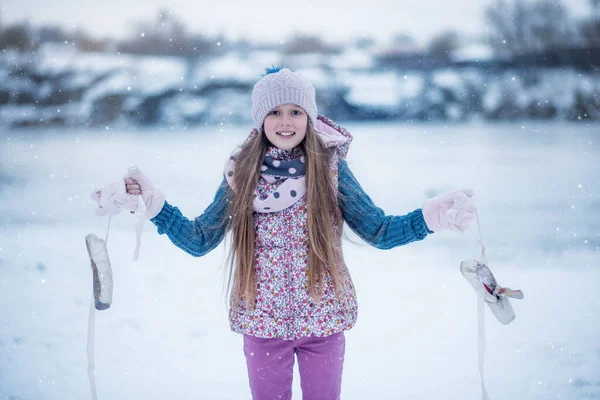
<point>166,335</point>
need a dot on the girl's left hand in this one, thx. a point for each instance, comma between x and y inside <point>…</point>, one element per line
<point>454,211</point>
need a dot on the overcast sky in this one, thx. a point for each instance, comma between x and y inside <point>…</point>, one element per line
<point>267,19</point>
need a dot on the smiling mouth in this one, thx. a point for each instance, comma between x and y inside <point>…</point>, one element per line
<point>286,134</point>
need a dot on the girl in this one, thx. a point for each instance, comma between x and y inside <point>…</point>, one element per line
<point>285,195</point>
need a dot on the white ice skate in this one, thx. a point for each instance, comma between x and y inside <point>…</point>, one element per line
<point>101,271</point>
<point>495,296</point>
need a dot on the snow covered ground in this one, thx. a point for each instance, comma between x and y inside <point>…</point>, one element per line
<point>167,336</point>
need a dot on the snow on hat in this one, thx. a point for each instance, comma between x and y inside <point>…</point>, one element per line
<point>282,86</point>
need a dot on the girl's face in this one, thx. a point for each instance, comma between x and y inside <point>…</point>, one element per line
<point>285,126</point>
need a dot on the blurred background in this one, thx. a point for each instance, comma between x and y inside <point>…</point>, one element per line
<point>499,96</point>
<point>133,64</point>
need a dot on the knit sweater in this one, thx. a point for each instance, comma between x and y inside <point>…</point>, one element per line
<point>284,307</point>
<point>201,235</point>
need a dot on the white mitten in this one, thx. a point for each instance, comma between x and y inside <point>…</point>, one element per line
<point>154,199</point>
<point>113,198</point>
<point>454,211</point>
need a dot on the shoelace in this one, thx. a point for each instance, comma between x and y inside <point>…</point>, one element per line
<point>90,339</point>
<point>92,316</point>
<point>481,343</point>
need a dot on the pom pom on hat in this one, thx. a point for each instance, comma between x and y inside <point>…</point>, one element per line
<point>272,69</point>
<point>282,86</point>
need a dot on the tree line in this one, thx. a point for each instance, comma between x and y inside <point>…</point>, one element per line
<point>515,28</point>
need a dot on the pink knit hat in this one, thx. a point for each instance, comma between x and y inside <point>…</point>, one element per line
<point>282,86</point>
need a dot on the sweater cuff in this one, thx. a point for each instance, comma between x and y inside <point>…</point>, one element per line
<point>165,218</point>
<point>419,225</point>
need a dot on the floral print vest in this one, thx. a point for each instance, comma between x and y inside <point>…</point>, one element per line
<point>284,308</point>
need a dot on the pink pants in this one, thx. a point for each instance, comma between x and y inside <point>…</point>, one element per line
<point>271,364</point>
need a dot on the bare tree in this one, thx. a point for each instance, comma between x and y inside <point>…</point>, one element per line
<point>590,31</point>
<point>364,42</point>
<point>18,36</point>
<point>302,43</point>
<point>168,35</point>
<point>444,43</point>
<point>404,42</point>
<point>529,26</point>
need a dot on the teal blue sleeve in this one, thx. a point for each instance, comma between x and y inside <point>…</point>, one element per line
<point>200,235</point>
<point>370,222</point>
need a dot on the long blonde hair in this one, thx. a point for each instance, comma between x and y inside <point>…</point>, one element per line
<point>322,218</point>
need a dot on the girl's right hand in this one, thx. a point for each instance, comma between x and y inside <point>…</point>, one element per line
<point>132,186</point>
<point>138,183</point>
<point>112,198</point>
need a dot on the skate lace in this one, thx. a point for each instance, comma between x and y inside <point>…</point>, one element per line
<point>92,316</point>
<point>90,339</point>
<point>481,342</point>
